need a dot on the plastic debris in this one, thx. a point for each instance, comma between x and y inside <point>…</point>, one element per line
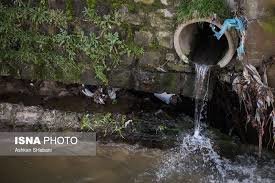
<point>165,97</point>
<point>99,94</point>
<point>112,93</point>
<point>127,123</point>
<point>87,93</point>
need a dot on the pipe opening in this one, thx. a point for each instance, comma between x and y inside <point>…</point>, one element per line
<point>195,42</point>
<point>205,48</point>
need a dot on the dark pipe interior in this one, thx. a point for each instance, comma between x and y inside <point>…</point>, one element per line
<point>205,47</point>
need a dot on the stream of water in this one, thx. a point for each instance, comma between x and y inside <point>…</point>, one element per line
<point>201,96</point>
<point>195,160</point>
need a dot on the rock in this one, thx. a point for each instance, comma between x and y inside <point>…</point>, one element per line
<point>126,62</point>
<point>16,87</point>
<point>52,88</point>
<point>6,113</point>
<point>232,4</point>
<point>179,67</point>
<point>102,8</point>
<point>89,77</point>
<point>158,21</point>
<point>31,117</point>
<point>134,19</point>
<point>145,81</point>
<point>27,70</point>
<point>143,38</point>
<point>57,4</point>
<point>48,88</point>
<point>166,13</point>
<point>170,57</point>
<point>78,7</point>
<point>123,12</point>
<point>170,82</point>
<point>148,2</point>
<point>150,59</point>
<point>28,115</point>
<point>121,78</point>
<point>165,39</point>
<point>164,2</point>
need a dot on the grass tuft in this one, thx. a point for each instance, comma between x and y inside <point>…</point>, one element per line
<point>190,9</point>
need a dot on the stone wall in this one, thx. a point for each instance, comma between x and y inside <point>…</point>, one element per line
<point>261,33</point>
<point>151,25</point>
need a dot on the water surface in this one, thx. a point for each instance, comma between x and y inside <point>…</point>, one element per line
<point>194,161</point>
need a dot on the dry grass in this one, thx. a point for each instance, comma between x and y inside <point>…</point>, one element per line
<point>258,100</point>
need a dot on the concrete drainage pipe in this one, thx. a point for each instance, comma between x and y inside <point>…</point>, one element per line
<point>194,41</point>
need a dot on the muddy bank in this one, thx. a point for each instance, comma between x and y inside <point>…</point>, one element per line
<point>134,117</point>
<point>156,124</point>
<point>55,95</point>
<point>153,130</point>
<point>150,129</point>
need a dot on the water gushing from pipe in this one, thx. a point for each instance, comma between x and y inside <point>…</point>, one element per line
<point>197,159</point>
<point>201,95</point>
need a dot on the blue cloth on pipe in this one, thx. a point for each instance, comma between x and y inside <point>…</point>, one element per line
<point>236,23</point>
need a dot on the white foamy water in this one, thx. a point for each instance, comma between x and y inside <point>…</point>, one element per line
<point>196,159</point>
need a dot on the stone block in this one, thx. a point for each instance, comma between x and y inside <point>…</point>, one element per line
<point>133,19</point>
<point>158,21</point>
<point>148,2</point>
<point>150,60</point>
<point>143,38</point>
<point>165,39</point>
<point>78,7</point>
<point>57,4</point>
<point>121,79</point>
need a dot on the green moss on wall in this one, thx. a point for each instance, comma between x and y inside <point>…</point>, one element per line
<point>169,81</point>
<point>269,25</point>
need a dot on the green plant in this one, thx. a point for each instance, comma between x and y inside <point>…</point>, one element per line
<point>107,123</point>
<point>38,37</point>
<point>85,123</point>
<point>190,9</point>
<point>69,9</point>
